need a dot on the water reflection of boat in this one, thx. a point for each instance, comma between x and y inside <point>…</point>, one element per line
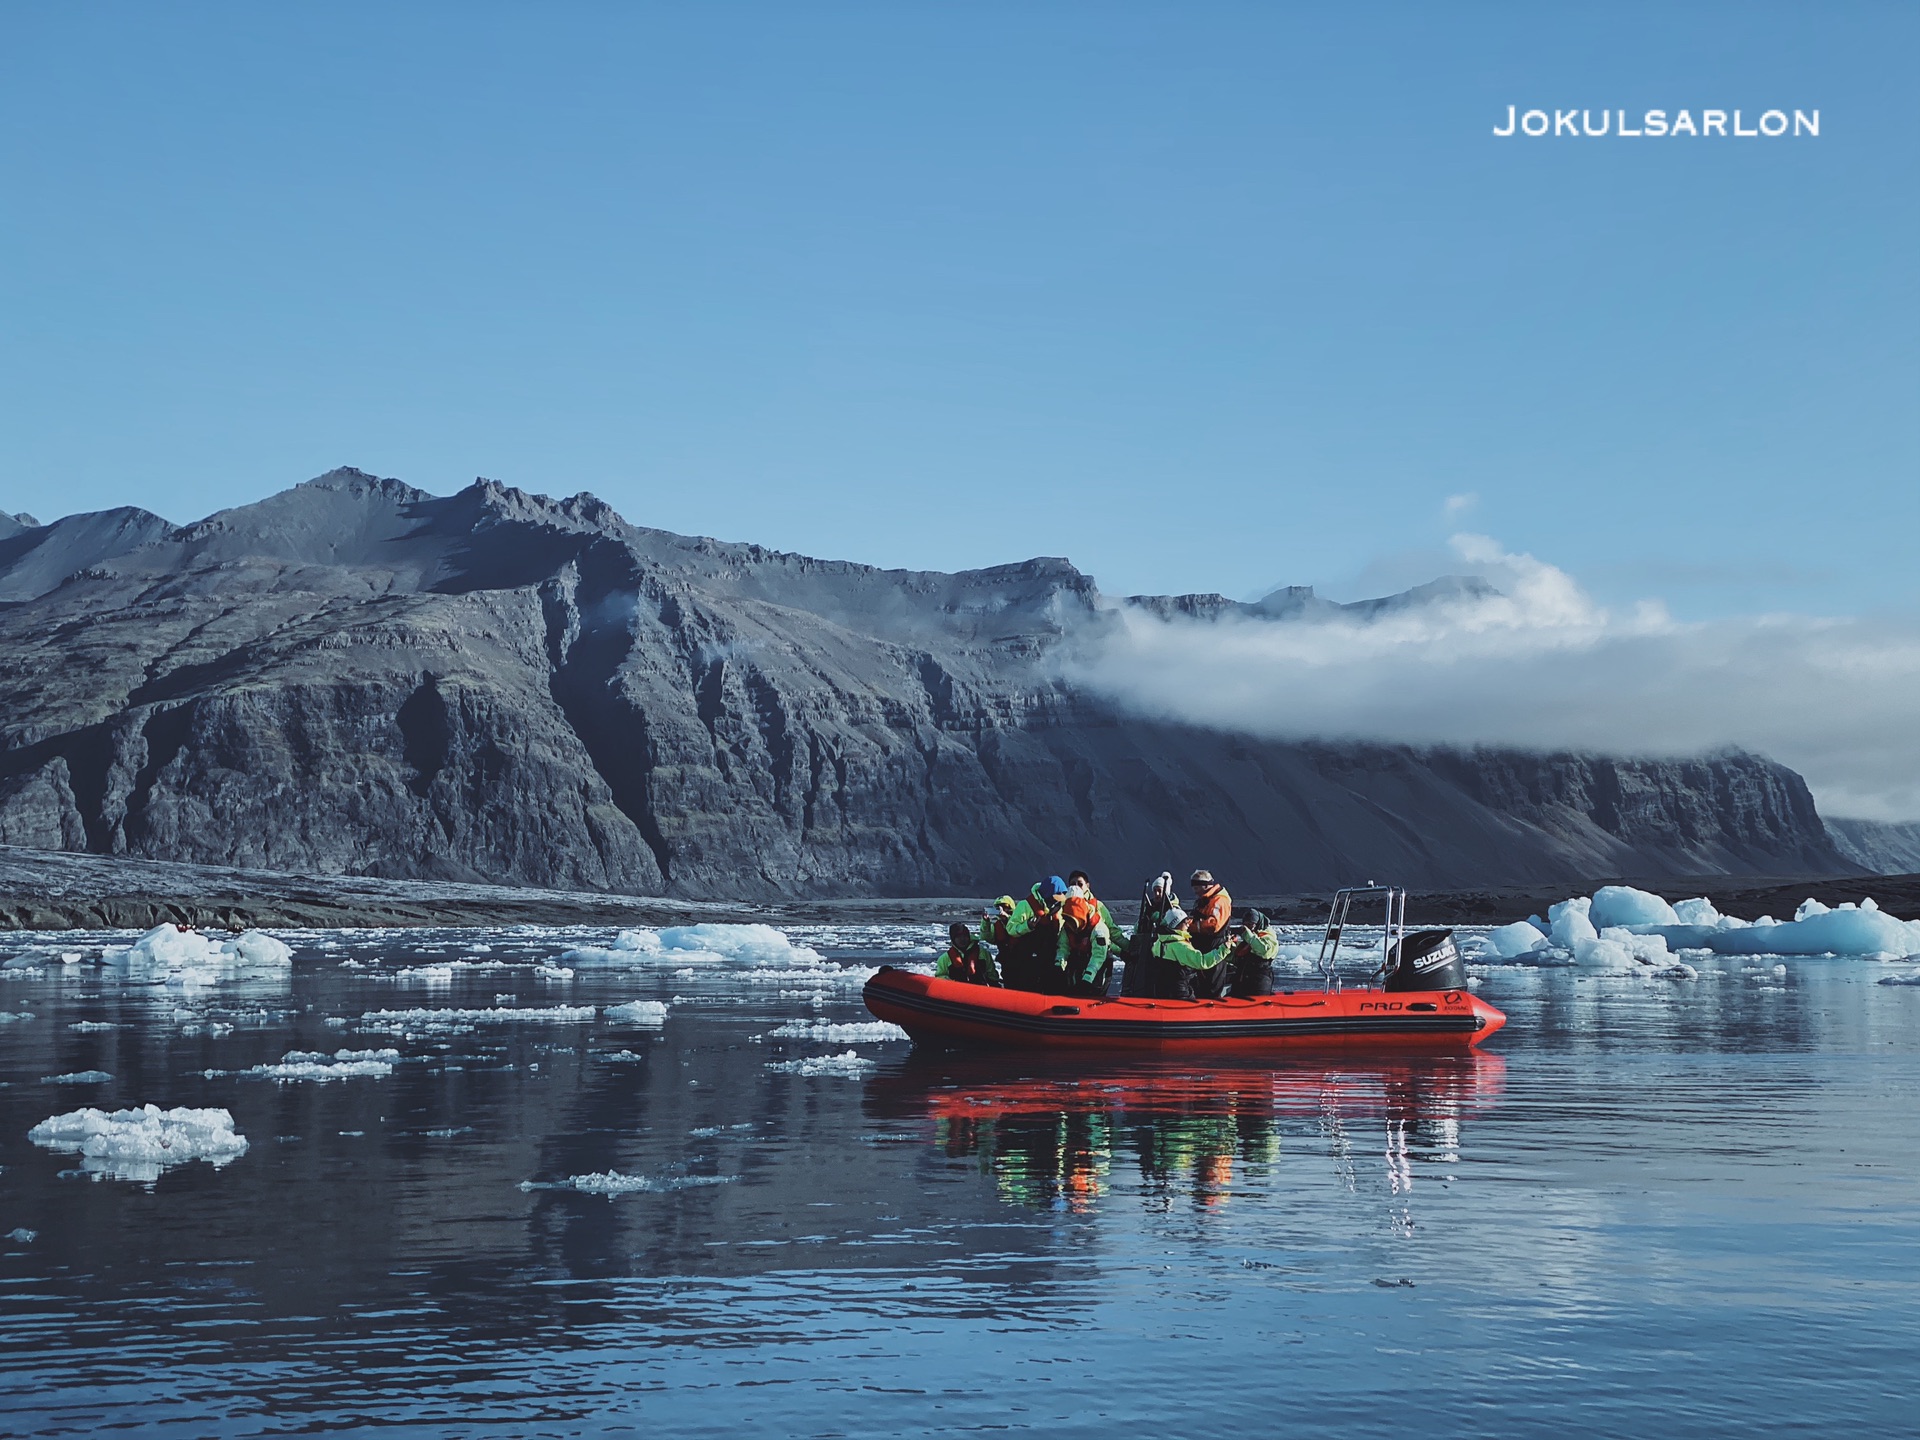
<point>1421,1002</point>
<point>1052,1138</point>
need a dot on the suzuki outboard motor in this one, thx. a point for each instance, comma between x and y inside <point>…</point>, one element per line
<point>1426,960</point>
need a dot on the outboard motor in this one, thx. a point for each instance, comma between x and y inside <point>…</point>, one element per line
<point>1426,960</point>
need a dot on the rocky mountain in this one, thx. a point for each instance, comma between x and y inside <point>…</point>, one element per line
<point>356,677</point>
<point>1877,846</point>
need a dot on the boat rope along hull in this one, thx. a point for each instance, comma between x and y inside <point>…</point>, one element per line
<point>952,1013</point>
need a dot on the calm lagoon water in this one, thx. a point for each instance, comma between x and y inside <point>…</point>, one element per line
<point>1659,1207</point>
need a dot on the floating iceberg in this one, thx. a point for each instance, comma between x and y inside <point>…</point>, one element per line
<point>1623,905</point>
<point>78,1077</point>
<point>139,1144</point>
<point>1847,930</point>
<point>850,1064</point>
<point>1619,918</point>
<point>1510,942</point>
<point>1571,923</point>
<point>168,955</point>
<point>750,947</point>
<point>639,1012</point>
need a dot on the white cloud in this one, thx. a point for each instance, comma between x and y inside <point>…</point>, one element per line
<point>1544,666</point>
<point>1459,505</point>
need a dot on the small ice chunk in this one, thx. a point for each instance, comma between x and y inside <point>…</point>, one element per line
<point>553,972</point>
<point>19,1016</point>
<point>139,1144</point>
<point>78,1077</point>
<point>1913,979</point>
<point>837,1032</point>
<point>638,1012</point>
<point>20,1235</point>
<point>611,1183</point>
<point>316,1065</point>
<point>850,1064</point>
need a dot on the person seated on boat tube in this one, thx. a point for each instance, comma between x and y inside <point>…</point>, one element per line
<point>1183,971</point>
<point>1252,955</point>
<point>1211,912</point>
<point>1088,934</point>
<point>1033,938</point>
<point>966,959</point>
<point>1139,970</point>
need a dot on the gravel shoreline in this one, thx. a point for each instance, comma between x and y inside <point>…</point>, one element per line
<point>60,890</point>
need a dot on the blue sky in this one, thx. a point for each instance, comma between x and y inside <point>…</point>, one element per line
<point>1206,297</point>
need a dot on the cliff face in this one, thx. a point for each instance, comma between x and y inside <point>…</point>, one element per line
<point>356,677</point>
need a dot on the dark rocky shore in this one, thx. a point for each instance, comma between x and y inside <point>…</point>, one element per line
<point>52,890</point>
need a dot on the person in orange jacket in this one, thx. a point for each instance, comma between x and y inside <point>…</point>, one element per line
<point>1211,912</point>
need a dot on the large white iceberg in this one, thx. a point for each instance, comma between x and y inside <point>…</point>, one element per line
<point>169,955</point>
<point>1848,930</point>
<point>139,1144</point>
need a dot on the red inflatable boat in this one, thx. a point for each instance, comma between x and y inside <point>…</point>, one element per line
<point>947,1012</point>
<point>1420,1003</point>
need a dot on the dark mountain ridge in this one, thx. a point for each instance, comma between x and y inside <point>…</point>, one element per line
<point>358,677</point>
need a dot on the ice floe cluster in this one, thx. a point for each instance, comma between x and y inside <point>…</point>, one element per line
<point>317,1065</point>
<point>1620,928</point>
<point>139,1144</point>
<point>839,1032</point>
<point>466,1021</point>
<point>849,1064</point>
<point>757,954</point>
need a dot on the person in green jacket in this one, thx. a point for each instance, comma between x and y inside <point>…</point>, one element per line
<point>1252,955</point>
<point>1187,972</point>
<point>1033,938</point>
<point>966,959</point>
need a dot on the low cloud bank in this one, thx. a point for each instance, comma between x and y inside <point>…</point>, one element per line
<point>1542,666</point>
